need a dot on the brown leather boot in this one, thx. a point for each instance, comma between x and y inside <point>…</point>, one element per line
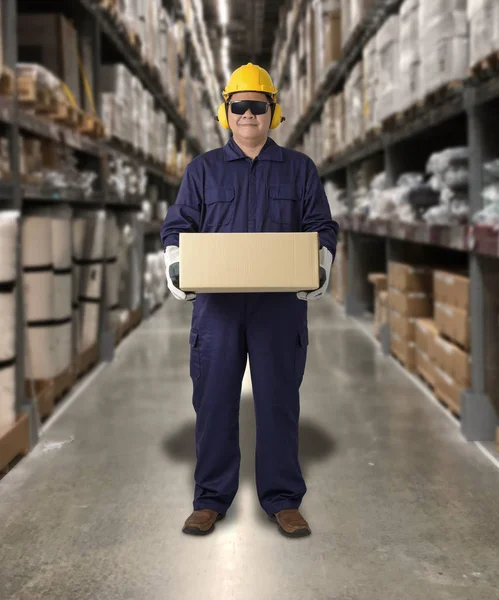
<point>202,522</point>
<point>291,523</point>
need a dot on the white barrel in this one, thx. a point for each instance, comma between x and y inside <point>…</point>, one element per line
<point>89,319</point>
<point>90,235</point>
<point>62,296</point>
<point>112,236</point>
<point>79,228</point>
<point>63,346</point>
<point>91,279</point>
<point>62,239</point>
<point>39,295</point>
<point>7,325</point>
<point>112,283</point>
<point>36,241</point>
<point>7,398</point>
<point>40,360</point>
<point>76,331</point>
<point>9,226</point>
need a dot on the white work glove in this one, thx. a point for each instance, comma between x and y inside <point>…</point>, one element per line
<point>325,262</point>
<point>172,263</point>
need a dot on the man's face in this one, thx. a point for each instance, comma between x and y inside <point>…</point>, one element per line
<point>249,126</point>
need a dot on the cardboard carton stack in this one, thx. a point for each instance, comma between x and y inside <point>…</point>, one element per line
<point>354,105</point>
<point>409,298</point>
<point>426,335</point>
<point>380,283</point>
<point>452,319</point>
<point>443,40</point>
<point>483,19</point>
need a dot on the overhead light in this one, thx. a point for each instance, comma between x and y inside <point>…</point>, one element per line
<point>225,56</point>
<point>223,12</point>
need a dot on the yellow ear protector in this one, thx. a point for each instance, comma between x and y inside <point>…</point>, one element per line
<point>277,117</point>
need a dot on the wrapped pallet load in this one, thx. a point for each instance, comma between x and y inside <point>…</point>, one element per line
<point>9,226</point>
<point>90,228</point>
<point>483,19</point>
<point>409,90</point>
<point>443,34</point>
<point>112,269</point>
<point>63,283</point>
<point>387,50</point>
<point>39,300</point>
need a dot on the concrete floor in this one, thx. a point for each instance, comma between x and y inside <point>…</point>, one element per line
<point>400,506</point>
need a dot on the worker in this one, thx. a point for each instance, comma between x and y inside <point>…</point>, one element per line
<point>249,185</point>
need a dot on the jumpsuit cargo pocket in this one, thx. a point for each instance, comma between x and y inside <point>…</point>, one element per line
<point>301,354</point>
<point>219,203</point>
<point>195,365</point>
<point>284,206</point>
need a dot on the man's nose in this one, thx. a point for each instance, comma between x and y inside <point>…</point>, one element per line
<point>248,113</point>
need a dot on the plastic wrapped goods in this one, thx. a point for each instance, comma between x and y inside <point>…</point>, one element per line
<point>9,227</point>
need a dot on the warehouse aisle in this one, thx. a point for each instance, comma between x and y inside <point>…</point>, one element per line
<point>399,505</point>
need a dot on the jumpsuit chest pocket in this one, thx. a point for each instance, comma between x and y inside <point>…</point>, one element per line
<point>219,203</point>
<point>284,205</point>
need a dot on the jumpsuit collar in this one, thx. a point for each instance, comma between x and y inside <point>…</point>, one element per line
<point>271,151</point>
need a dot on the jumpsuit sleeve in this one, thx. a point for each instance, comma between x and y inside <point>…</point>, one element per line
<point>185,215</point>
<point>317,214</point>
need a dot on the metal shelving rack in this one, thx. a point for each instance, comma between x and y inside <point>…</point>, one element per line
<point>465,113</point>
<point>106,37</point>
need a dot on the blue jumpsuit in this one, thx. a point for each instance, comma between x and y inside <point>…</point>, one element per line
<point>225,191</point>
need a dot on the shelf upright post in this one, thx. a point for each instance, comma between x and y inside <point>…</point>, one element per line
<point>478,416</point>
<point>23,404</point>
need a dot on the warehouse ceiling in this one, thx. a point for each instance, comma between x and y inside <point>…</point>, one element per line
<point>252,28</point>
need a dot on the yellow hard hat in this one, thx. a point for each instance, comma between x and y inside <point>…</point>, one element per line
<point>250,78</point>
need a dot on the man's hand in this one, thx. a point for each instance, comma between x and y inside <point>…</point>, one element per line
<point>325,262</point>
<point>172,264</point>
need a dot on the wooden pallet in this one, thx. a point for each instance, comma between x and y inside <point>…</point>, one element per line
<point>92,126</point>
<point>447,402</point>
<point>7,81</point>
<point>87,360</point>
<point>14,443</point>
<point>67,115</point>
<point>442,93</point>
<point>373,133</point>
<point>34,97</point>
<point>48,392</point>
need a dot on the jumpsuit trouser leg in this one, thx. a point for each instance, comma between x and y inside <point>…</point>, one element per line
<point>277,344</point>
<point>218,363</point>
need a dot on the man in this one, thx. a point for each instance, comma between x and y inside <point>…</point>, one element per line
<point>249,185</point>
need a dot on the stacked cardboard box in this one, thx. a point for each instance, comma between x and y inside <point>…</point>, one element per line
<point>409,298</point>
<point>452,319</point>
<point>483,18</point>
<point>352,13</point>
<point>443,40</point>
<point>426,335</point>
<point>371,74</point>
<point>380,283</point>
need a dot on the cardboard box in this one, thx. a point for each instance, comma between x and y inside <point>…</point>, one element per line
<point>404,350</point>
<point>249,262</point>
<point>402,326</point>
<point>451,289</point>
<point>425,367</point>
<point>379,281</point>
<point>426,331</point>
<point>49,39</point>
<point>453,361</point>
<point>409,278</point>
<point>453,323</point>
<point>411,304</point>
<point>448,390</point>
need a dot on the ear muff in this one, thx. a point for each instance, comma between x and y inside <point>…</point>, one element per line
<point>222,116</point>
<point>277,117</point>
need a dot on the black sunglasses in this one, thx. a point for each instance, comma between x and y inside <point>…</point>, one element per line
<point>257,107</point>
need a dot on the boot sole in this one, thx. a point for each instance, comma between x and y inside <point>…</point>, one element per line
<point>200,532</point>
<point>299,533</point>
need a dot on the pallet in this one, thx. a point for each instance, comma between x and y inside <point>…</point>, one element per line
<point>92,126</point>
<point>34,97</point>
<point>441,94</point>
<point>485,68</point>
<point>373,133</point>
<point>14,444</point>
<point>67,115</point>
<point>48,392</point>
<point>442,398</point>
<point>86,361</point>
<point>7,81</point>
